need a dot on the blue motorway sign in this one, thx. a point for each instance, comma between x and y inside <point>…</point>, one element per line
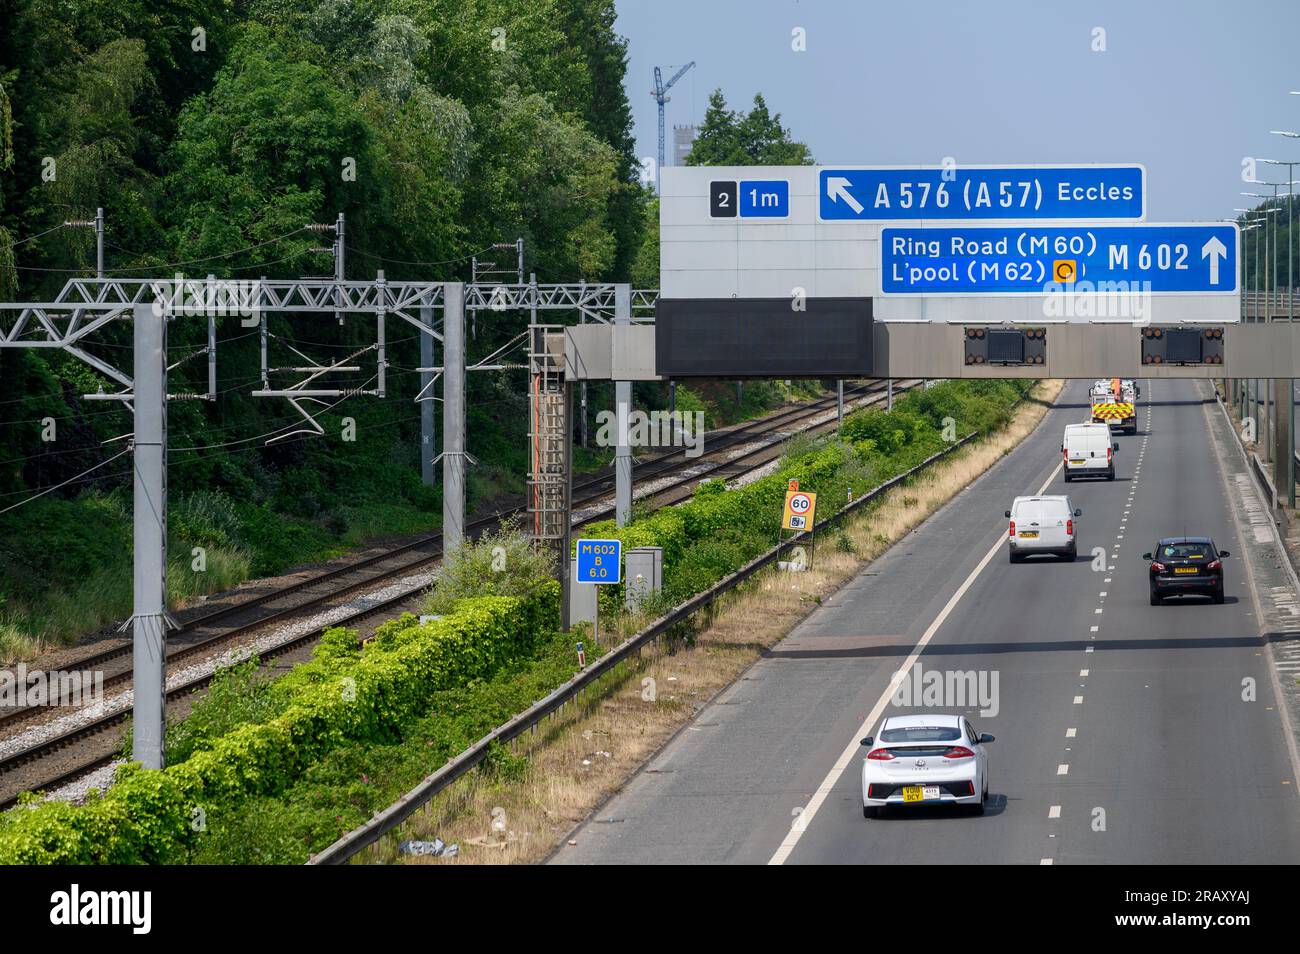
<point>600,561</point>
<point>971,192</point>
<point>1034,259</point>
<point>749,199</point>
<point>764,198</point>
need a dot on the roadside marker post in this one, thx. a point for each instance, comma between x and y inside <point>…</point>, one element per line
<point>599,562</point>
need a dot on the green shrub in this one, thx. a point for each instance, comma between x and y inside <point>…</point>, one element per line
<point>235,696</point>
<point>504,562</point>
<point>323,704</point>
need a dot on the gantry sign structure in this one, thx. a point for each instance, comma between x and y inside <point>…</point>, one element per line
<point>86,306</point>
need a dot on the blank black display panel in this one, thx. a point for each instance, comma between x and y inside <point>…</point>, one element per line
<point>763,338</point>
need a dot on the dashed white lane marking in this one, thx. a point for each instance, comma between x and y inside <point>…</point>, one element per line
<point>1093,629</point>
<point>1088,649</point>
<point>1063,769</point>
<point>1102,594</point>
<point>1071,733</point>
<point>824,789</point>
<point>1097,610</point>
<point>1083,674</point>
<point>1045,861</point>
<point>1078,700</point>
<point>1054,811</point>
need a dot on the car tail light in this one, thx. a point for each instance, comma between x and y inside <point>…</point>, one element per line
<point>1069,527</point>
<point>1011,532</point>
<point>881,755</point>
<point>1158,567</point>
<point>959,752</point>
<point>1110,451</point>
<point>1214,565</point>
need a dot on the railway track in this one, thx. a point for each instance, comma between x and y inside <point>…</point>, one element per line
<point>64,757</point>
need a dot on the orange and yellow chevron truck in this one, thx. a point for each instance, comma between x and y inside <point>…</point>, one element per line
<point>1114,402</point>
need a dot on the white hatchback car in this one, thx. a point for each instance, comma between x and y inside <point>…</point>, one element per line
<point>925,760</point>
<point>1047,524</point>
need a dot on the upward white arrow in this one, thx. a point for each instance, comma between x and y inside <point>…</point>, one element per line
<point>837,187</point>
<point>1214,250</point>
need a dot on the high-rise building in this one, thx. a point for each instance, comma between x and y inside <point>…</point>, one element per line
<point>683,140</point>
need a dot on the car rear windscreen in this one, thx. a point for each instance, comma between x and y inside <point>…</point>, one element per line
<point>922,733</point>
<point>1185,551</point>
<point>1039,510</point>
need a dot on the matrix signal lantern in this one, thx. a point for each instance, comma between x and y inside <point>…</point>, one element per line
<point>1006,347</point>
<point>1182,346</point>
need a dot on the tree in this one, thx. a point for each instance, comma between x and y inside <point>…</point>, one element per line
<point>767,142</point>
<point>590,26</point>
<point>552,180</point>
<point>98,122</point>
<point>264,153</point>
<point>756,138</point>
<point>717,142</point>
<point>645,269</point>
<point>470,122</point>
<point>8,276</point>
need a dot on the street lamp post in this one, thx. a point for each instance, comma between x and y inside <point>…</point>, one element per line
<point>1242,385</point>
<point>1269,435</point>
<point>1290,317</point>
<point>1252,224</point>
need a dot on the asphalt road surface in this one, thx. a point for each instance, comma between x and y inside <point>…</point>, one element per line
<point>1122,732</point>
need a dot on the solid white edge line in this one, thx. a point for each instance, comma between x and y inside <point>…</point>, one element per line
<point>842,763</point>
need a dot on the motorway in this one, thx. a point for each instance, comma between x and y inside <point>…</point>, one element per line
<point>1122,731</point>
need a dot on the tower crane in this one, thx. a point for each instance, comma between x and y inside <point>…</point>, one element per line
<point>660,93</point>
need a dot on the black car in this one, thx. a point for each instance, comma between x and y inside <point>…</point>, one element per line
<point>1182,565</point>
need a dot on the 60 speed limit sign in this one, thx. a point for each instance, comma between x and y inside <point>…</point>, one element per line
<point>800,510</point>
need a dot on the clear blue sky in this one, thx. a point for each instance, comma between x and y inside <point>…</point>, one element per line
<point>1188,88</point>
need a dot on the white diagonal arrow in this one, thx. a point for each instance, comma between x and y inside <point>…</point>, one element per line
<point>1214,250</point>
<point>837,187</point>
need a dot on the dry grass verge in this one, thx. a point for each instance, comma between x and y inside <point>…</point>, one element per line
<point>576,761</point>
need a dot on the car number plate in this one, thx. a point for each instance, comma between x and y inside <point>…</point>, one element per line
<point>920,793</point>
<point>1079,460</point>
<point>1184,569</point>
<point>1028,534</point>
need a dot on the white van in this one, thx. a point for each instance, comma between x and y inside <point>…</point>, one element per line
<point>1042,525</point>
<point>1088,451</point>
